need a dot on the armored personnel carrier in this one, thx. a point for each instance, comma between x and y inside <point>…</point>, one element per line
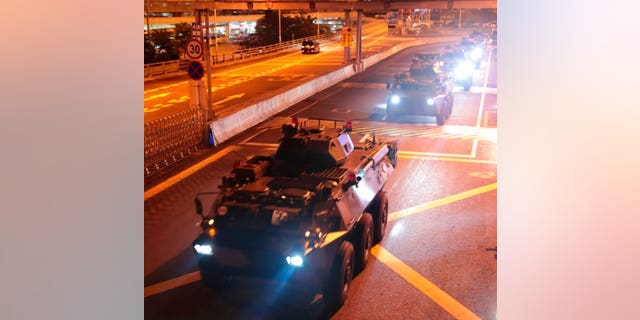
<point>426,94</point>
<point>306,216</point>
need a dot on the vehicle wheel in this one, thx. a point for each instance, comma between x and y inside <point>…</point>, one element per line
<point>390,116</point>
<point>380,224</point>
<point>467,86</point>
<point>363,246</point>
<point>337,288</point>
<point>440,118</point>
<point>214,279</point>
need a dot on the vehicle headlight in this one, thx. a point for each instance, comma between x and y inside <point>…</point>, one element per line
<point>476,53</point>
<point>464,70</point>
<point>430,101</point>
<point>204,249</point>
<point>295,260</point>
<point>395,99</point>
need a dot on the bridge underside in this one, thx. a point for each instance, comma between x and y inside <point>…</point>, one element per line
<point>181,6</point>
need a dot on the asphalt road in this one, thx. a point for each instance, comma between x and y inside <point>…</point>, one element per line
<point>439,258</point>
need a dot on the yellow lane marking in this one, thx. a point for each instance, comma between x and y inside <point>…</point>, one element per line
<point>171,284</point>
<point>433,154</point>
<point>158,96</point>
<point>180,176</point>
<point>432,291</point>
<point>448,159</point>
<point>440,202</point>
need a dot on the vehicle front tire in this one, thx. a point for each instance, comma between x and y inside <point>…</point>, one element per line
<point>380,222</point>
<point>337,289</point>
<point>365,242</point>
<point>440,118</point>
<point>390,116</point>
<point>467,86</point>
<point>214,279</point>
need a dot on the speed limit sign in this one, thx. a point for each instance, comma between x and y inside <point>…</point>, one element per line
<point>194,48</point>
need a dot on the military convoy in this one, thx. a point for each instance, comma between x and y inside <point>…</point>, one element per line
<point>426,89</point>
<point>306,216</point>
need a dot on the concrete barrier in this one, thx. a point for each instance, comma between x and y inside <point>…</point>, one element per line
<point>233,124</point>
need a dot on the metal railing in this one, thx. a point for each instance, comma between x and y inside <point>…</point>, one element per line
<point>171,139</point>
<point>173,66</point>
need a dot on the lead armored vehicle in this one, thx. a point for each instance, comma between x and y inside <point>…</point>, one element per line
<point>306,216</point>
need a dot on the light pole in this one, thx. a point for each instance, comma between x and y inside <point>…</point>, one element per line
<point>146,9</point>
<point>279,28</point>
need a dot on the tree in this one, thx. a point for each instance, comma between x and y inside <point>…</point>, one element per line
<point>292,28</point>
<point>183,33</point>
<point>149,52</point>
<point>168,48</point>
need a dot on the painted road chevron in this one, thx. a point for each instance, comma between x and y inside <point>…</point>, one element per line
<point>383,129</point>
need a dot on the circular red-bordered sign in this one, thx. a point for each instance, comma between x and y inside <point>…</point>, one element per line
<point>193,48</point>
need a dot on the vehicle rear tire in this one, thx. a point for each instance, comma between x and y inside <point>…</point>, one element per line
<point>440,118</point>
<point>380,222</point>
<point>337,289</point>
<point>364,244</point>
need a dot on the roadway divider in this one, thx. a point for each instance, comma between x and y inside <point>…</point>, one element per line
<point>228,126</point>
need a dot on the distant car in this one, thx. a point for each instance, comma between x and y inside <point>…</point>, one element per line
<point>310,46</point>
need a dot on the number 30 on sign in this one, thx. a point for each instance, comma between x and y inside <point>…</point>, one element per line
<point>194,49</point>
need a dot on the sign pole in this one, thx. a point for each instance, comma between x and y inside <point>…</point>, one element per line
<point>210,114</point>
<point>347,48</point>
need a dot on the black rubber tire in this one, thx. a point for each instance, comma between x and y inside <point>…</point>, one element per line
<point>440,118</point>
<point>364,244</point>
<point>380,222</point>
<point>337,289</point>
<point>467,86</point>
<point>390,116</point>
<point>214,279</point>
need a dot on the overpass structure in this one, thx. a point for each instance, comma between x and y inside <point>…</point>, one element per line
<point>375,5</point>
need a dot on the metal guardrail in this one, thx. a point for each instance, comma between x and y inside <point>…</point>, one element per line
<point>171,139</point>
<point>173,66</point>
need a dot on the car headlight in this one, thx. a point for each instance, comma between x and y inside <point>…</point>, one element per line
<point>395,99</point>
<point>204,249</point>
<point>476,53</point>
<point>295,260</point>
<point>430,101</point>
